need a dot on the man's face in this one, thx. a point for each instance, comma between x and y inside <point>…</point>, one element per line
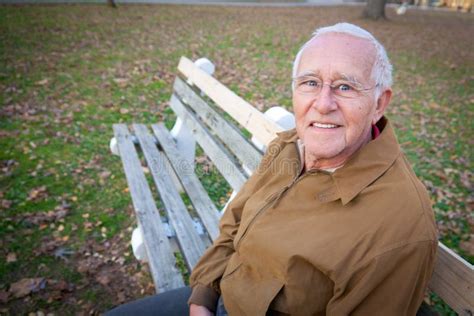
<point>333,128</point>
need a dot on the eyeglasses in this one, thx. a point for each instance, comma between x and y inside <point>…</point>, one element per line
<point>340,88</point>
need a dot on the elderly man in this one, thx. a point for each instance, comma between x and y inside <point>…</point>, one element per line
<point>334,220</point>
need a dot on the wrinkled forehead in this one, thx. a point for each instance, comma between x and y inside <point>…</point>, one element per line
<point>333,54</point>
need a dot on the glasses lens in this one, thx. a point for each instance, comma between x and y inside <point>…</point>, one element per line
<point>308,85</point>
<point>345,89</point>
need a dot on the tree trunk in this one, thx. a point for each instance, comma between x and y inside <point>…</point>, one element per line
<point>375,9</point>
<point>111,3</point>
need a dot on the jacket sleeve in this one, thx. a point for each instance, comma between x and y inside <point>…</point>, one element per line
<point>206,275</point>
<point>392,283</point>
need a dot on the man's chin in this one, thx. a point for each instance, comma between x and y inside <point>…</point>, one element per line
<point>321,152</point>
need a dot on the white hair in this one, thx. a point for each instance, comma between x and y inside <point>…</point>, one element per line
<point>381,69</point>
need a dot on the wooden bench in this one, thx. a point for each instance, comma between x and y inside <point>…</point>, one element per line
<point>208,112</point>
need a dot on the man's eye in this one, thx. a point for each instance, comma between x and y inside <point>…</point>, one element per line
<point>344,87</point>
<point>311,83</point>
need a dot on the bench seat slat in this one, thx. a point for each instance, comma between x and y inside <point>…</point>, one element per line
<point>202,203</point>
<point>244,113</point>
<point>228,133</point>
<point>166,275</point>
<point>452,280</point>
<point>189,240</point>
<point>220,156</point>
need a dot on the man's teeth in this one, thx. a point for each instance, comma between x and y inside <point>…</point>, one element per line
<point>320,125</point>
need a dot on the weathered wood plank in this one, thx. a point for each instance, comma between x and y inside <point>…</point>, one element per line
<point>190,182</point>
<point>244,113</point>
<point>219,155</point>
<point>453,281</point>
<point>189,240</point>
<point>166,275</point>
<point>228,133</point>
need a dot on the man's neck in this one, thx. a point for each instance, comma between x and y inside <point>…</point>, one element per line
<point>312,162</point>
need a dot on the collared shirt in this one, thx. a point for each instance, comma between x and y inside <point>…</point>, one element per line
<point>360,241</point>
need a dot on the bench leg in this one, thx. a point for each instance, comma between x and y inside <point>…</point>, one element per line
<point>138,245</point>
<point>113,146</point>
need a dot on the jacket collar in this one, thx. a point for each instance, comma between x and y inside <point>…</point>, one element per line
<point>366,165</point>
<point>289,136</point>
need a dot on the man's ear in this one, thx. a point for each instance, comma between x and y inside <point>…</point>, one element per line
<point>382,103</point>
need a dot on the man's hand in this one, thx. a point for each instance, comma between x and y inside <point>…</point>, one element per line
<point>198,310</point>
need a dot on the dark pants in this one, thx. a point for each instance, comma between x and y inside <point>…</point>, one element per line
<point>170,303</point>
<point>173,302</point>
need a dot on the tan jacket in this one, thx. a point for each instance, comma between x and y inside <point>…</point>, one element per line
<point>359,241</point>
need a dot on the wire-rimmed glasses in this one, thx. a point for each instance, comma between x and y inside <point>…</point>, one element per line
<point>343,88</point>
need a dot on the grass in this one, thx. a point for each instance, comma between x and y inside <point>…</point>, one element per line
<point>68,72</point>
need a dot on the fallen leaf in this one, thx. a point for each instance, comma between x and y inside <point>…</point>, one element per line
<point>38,193</point>
<point>121,297</point>
<point>121,82</point>
<point>120,261</point>
<point>202,159</point>
<point>103,279</point>
<point>89,265</point>
<point>42,82</point>
<point>54,296</point>
<point>88,226</point>
<point>104,174</point>
<point>25,286</point>
<point>11,257</point>
<point>6,204</point>
<point>40,218</point>
<point>468,246</point>
<point>83,267</point>
<point>47,246</point>
<point>3,297</point>
<point>58,285</point>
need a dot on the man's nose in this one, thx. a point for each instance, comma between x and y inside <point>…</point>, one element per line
<point>325,102</point>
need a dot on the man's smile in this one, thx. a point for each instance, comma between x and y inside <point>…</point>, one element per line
<point>324,125</point>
